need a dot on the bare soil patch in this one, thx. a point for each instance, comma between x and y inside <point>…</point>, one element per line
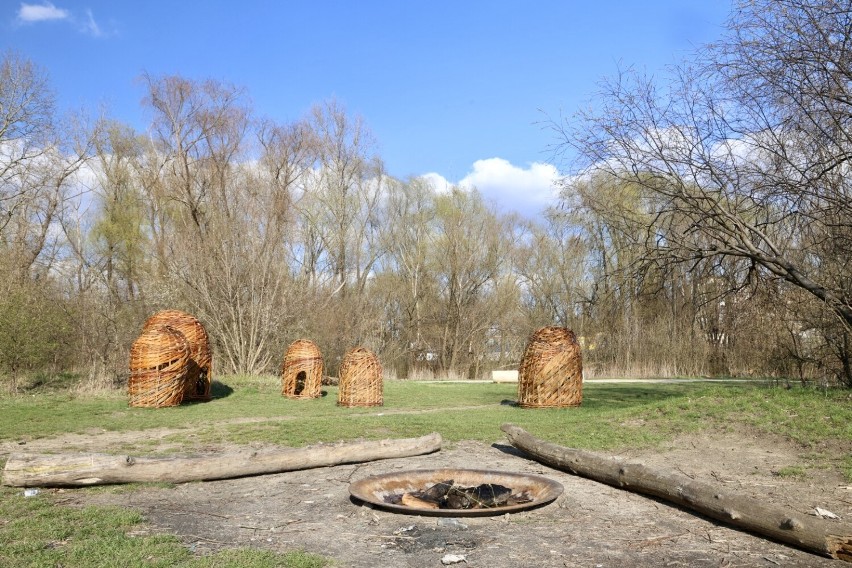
<point>589,525</point>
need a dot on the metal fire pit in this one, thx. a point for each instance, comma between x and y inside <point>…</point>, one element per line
<point>375,489</point>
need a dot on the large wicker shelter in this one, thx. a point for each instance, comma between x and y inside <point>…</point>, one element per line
<point>159,361</point>
<point>200,372</point>
<point>360,379</point>
<point>301,373</point>
<point>551,372</point>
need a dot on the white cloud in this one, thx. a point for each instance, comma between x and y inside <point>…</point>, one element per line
<point>438,182</point>
<point>525,190</point>
<point>41,13</point>
<point>91,26</point>
<point>46,12</point>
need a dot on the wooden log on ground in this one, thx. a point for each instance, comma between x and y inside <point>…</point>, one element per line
<point>813,534</point>
<point>72,470</point>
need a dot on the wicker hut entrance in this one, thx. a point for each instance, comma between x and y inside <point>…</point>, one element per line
<point>301,374</point>
<point>159,361</point>
<point>200,371</point>
<point>551,372</point>
<point>360,379</point>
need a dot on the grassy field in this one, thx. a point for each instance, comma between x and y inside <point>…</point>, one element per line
<point>37,532</point>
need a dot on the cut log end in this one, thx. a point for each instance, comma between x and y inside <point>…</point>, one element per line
<point>840,547</point>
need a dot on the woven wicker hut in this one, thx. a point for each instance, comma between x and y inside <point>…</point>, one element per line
<point>200,371</point>
<point>360,379</point>
<point>159,361</point>
<point>551,372</point>
<point>301,374</point>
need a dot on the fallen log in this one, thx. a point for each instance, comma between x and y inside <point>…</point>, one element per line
<point>73,470</point>
<point>808,533</point>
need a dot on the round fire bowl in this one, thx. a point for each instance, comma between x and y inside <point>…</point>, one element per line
<point>382,490</point>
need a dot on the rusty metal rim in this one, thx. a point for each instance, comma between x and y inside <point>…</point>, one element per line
<point>368,489</point>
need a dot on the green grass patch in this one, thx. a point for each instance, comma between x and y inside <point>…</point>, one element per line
<point>35,532</point>
<point>846,467</point>
<point>612,416</point>
<point>792,471</point>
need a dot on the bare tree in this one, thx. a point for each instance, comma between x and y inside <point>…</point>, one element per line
<point>408,236</point>
<point>470,251</point>
<point>108,239</point>
<point>219,219</point>
<point>551,262</point>
<point>39,157</point>
<point>745,154</point>
<point>340,217</point>
<point>119,231</point>
<point>346,194</point>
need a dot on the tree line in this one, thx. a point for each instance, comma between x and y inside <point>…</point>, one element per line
<point>704,231</point>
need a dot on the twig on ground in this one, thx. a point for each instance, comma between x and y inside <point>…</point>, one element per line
<point>196,537</point>
<point>655,540</point>
<point>192,512</point>
<point>689,475</point>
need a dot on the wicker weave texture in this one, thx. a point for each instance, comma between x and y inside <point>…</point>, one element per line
<point>200,371</point>
<point>301,373</point>
<point>360,379</point>
<point>159,361</point>
<point>551,372</point>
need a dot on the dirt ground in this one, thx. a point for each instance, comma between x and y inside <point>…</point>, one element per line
<point>589,525</point>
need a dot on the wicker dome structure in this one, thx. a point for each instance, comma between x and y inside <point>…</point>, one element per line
<point>551,371</point>
<point>301,373</point>
<point>360,379</point>
<point>159,362</point>
<point>200,373</point>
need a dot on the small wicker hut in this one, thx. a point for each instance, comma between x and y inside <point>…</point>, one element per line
<point>200,372</point>
<point>301,374</point>
<point>551,371</point>
<point>360,379</point>
<point>159,361</point>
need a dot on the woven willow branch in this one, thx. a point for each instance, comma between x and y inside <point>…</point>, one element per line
<point>301,373</point>
<point>360,379</point>
<point>551,371</point>
<point>200,372</point>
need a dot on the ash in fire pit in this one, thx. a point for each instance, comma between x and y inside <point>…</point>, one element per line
<point>455,492</point>
<point>448,495</point>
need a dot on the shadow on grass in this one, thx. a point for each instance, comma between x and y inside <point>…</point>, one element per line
<point>48,382</point>
<point>220,390</point>
<point>622,396</point>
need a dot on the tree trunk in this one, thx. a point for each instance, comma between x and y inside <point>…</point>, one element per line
<point>46,470</point>
<point>807,533</point>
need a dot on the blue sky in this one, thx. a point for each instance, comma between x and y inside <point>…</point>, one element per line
<point>456,89</point>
